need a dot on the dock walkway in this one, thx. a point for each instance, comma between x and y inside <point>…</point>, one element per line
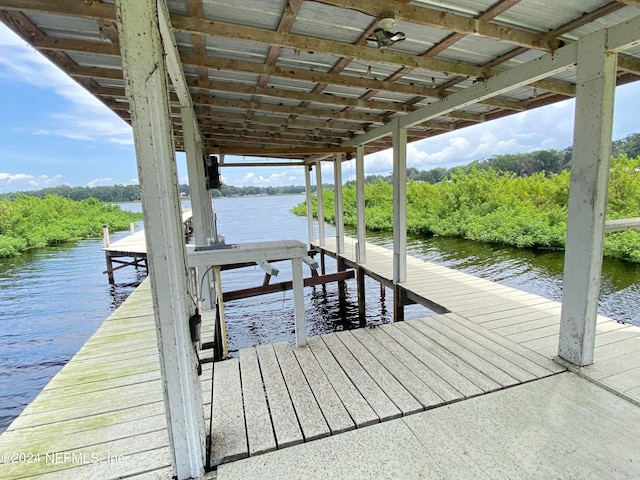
<point>530,320</point>
<point>454,395</point>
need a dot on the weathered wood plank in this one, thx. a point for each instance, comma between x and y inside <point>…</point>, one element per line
<point>402,399</point>
<point>358,408</point>
<point>477,331</point>
<point>504,359</point>
<point>414,384</point>
<point>372,393</point>
<point>332,408</point>
<point>260,434</point>
<point>283,416</point>
<point>309,414</point>
<point>447,382</point>
<point>467,352</point>
<point>228,430</point>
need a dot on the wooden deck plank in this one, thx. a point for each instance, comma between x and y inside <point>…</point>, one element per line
<point>408,353</point>
<point>456,373</point>
<point>228,430</point>
<point>411,382</point>
<point>332,408</point>
<point>470,352</point>
<point>307,410</point>
<point>358,408</point>
<point>370,391</point>
<point>476,332</point>
<point>283,416</point>
<point>612,350</point>
<point>260,434</point>
<point>606,367</point>
<point>402,399</point>
<point>504,359</point>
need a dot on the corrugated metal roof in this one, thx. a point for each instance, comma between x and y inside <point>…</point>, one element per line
<point>263,65</point>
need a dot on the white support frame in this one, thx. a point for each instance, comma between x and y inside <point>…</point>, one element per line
<point>361,252</point>
<point>596,81</point>
<point>399,203</point>
<point>201,203</point>
<point>307,189</point>
<point>338,204</point>
<point>146,86</point>
<point>321,235</point>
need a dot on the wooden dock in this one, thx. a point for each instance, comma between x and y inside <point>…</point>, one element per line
<point>134,247</point>
<point>521,317</point>
<point>102,416</point>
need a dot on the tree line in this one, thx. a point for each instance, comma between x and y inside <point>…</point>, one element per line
<point>494,206</point>
<point>521,164</point>
<point>131,193</point>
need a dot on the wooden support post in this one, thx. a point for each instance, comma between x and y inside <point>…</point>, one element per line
<point>342,289</point>
<point>399,203</point>
<point>201,205</point>
<point>145,78</point>
<point>109,269</point>
<point>399,218</point>
<point>338,204</point>
<point>132,228</point>
<point>105,235</point>
<point>383,292</point>
<point>362,299</point>
<point>399,300</point>
<point>298,302</point>
<point>307,184</point>
<point>321,237</point>
<point>596,79</point>
<point>361,252</point>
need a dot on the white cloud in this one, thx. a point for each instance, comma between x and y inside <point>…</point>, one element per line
<point>105,181</point>
<point>13,182</point>
<point>84,118</point>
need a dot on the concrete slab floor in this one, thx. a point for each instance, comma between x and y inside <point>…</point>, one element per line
<point>558,427</point>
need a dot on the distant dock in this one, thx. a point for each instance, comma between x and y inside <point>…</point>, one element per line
<point>131,251</point>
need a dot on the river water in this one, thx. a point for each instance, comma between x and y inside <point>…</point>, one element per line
<point>53,300</point>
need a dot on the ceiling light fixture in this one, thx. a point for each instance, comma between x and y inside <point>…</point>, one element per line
<point>383,37</point>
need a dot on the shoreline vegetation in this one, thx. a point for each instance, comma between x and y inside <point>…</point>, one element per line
<point>28,222</point>
<point>491,206</point>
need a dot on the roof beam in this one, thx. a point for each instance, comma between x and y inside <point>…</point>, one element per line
<point>448,21</point>
<point>173,63</point>
<point>521,75</point>
<point>265,152</point>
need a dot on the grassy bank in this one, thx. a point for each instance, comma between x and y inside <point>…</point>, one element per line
<point>28,222</point>
<point>489,206</point>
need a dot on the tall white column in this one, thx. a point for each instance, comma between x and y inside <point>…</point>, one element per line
<point>361,225</point>
<point>201,205</point>
<point>146,86</point>
<point>590,162</point>
<point>399,203</point>
<point>321,238</point>
<point>307,185</point>
<point>338,204</point>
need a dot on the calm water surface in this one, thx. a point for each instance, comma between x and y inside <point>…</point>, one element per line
<point>53,300</point>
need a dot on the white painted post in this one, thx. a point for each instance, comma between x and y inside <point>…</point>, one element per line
<point>105,235</point>
<point>307,184</point>
<point>399,203</point>
<point>337,182</point>
<point>146,86</point>
<point>596,78</point>
<point>361,253</point>
<point>298,302</point>
<point>132,228</point>
<point>321,238</point>
<point>200,197</point>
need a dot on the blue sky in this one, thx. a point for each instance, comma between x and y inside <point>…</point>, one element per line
<point>53,132</point>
